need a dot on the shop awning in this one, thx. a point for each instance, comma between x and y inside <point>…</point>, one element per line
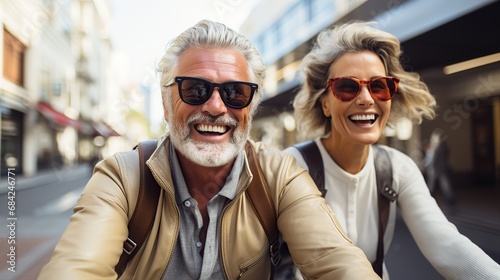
<point>57,117</point>
<point>104,130</point>
<point>14,102</point>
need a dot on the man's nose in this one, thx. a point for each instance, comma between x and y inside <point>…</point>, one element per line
<point>214,105</point>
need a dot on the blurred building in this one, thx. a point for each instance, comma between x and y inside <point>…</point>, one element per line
<point>453,45</point>
<point>55,90</point>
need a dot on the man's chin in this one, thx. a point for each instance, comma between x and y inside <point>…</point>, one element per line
<point>209,154</point>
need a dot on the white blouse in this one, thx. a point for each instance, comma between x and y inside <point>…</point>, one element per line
<point>353,198</point>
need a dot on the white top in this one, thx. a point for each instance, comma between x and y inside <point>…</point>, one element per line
<point>353,198</point>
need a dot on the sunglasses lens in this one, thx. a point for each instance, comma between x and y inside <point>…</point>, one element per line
<point>194,91</point>
<point>236,94</point>
<point>383,88</point>
<point>345,89</point>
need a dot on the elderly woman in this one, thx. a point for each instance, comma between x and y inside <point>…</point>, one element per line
<point>355,85</point>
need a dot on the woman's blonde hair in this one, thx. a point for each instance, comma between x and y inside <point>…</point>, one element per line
<point>413,99</point>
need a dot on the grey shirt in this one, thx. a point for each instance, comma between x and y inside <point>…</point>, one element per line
<point>187,262</point>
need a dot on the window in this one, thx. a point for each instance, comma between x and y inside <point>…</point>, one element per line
<point>13,57</point>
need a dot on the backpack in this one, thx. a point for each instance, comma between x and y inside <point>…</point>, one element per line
<point>383,171</point>
<point>142,220</point>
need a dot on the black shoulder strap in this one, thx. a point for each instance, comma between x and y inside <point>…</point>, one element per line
<point>142,220</point>
<point>260,198</point>
<point>311,154</point>
<point>383,171</point>
<point>387,194</point>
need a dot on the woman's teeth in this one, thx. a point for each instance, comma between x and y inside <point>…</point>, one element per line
<point>370,117</point>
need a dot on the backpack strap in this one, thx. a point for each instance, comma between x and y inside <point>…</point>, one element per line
<point>312,156</point>
<point>383,171</point>
<point>142,220</point>
<point>260,198</point>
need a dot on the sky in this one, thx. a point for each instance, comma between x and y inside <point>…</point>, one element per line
<point>141,29</point>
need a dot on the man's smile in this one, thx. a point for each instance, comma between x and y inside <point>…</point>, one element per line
<point>207,128</point>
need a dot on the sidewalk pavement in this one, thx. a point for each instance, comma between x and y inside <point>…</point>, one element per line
<point>476,214</point>
<point>476,206</point>
<point>56,173</point>
<point>35,242</point>
<point>35,235</point>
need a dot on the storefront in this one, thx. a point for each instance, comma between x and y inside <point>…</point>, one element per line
<point>11,143</point>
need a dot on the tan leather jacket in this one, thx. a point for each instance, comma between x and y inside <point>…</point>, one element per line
<point>92,243</point>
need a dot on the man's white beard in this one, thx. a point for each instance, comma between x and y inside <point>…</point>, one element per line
<point>206,153</point>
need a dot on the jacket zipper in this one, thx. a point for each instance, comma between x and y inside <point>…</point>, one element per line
<point>244,269</point>
<point>166,190</point>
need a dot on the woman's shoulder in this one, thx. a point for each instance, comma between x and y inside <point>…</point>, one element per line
<point>398,158</point>
<point>297,154</point>
<point>392,151</point>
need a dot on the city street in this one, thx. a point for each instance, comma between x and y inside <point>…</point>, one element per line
<point>43,211</point>
<point>42,214</point>
<point>405,261</point>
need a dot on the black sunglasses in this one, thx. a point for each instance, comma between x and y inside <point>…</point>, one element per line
<point>347,88</point>
<point>196,91</point>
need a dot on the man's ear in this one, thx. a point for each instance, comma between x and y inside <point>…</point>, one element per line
<point>165,117</point>
<point>164,97</point>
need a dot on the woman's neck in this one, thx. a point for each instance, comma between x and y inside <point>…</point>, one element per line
<point>351,157</point>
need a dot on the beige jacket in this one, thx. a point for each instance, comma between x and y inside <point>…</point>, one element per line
<point>92,243</point>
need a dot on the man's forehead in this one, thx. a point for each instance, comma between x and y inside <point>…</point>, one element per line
<point>217,64</point>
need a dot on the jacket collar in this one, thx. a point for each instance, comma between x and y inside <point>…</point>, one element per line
<point>159,164</point>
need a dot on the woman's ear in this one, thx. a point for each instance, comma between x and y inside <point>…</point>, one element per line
<point>325,105</point>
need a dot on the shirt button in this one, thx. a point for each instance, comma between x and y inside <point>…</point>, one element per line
<point>355,180</point>
<point>199,244</point>
<point>187,203</point>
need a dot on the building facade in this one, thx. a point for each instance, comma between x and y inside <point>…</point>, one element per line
<point>53,83</point>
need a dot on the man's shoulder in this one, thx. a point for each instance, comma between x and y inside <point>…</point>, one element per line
<point>275,163</point>
<point>267,152</point>
<point>121,166</point>
<point>262,147</point>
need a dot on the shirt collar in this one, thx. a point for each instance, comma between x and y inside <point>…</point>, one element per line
<point>181,191</point>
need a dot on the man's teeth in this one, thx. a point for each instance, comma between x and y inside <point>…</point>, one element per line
<point>211,128</point>
<point>370,117</point>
